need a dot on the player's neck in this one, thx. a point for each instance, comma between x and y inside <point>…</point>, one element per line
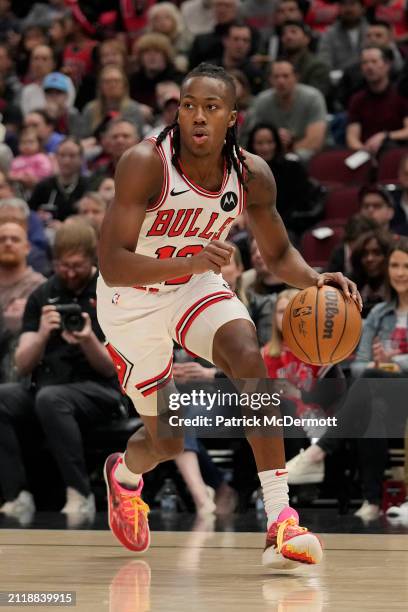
<point>207,172</point>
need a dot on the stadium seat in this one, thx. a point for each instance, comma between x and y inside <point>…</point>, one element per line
<point>388,165</point>
<point>330,170</point>
<point>317,251</point>
<point>341,203</point>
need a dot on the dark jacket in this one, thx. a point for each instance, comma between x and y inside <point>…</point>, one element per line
<point>50,193</point>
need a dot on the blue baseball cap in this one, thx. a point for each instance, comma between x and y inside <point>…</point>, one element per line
<point>56,80</point>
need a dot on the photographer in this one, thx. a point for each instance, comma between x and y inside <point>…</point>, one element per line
<point>73,382</point>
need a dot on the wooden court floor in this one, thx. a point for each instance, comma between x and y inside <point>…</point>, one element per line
<point>203,571</point>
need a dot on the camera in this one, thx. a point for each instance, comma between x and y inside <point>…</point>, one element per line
<point>71,317</point>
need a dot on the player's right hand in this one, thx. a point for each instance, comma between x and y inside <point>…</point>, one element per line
<point>50,320</point>
<point>213,257</point>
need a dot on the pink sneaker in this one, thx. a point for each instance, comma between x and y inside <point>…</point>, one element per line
<point>127,511</point>
<point>287,544</point>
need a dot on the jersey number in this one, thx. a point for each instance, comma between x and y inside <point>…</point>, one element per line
<point>187,251</point>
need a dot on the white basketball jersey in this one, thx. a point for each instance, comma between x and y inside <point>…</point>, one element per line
<point>187,217</point>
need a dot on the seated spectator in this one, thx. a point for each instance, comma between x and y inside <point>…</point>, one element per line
<point>112,101</point>
<point>399,222</point>
<point>32,164</point>
<point>73,382</point>
<point>259,15</point>
<point>106,190</point>
<point>368,262</point>
<point>108,53</point>
<point>321,14</point>
<point>154,54</point>
<point>17,281</point>
<point>168,101</point>
<point>377,115</point>
<point>237,45</point>
<point>198,16</point>
<point>244,95</point>
<point>9,24</point>
<point>92,207</point>
<point>210,44</point>
<point>311,70</point>
<point>67,119</point>
<point>298,111</point>
<point>59,32</point>
<point>119,136</point>
<point>15,210</point>
<point>378,34</point>
<point>294,190</point>
<point>165,18</point>
<point>376,203</point>
<point>54,197</point>
<point>44,124</point>
<point>382,354</point>
<point>9,80</point>
<point>286,10</point>
<point>393,12</point>
<point>77,56</point>
<point>340,259</point>
<point>341,43</point>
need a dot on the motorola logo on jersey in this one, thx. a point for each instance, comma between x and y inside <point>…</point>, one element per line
<point>229,201</point>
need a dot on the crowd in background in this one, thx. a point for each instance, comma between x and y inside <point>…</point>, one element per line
<point>83,81</point>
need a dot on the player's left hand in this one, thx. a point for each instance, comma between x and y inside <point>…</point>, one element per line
<point>78,337</point>
<point>346,285</point>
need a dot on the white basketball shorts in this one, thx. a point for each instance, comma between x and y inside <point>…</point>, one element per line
<point>140,326</point>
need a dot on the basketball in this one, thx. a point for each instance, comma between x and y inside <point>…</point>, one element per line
<point>320,326</point>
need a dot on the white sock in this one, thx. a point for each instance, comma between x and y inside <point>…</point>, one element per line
<point>126,477</point>
<point>275,492</point>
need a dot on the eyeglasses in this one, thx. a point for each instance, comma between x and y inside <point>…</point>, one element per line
<point>75,267</point>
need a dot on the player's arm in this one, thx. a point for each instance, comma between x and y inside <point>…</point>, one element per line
<point>138,182</point>
<point>270,233</point>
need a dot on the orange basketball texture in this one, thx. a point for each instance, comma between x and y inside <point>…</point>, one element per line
<point>320,326</point>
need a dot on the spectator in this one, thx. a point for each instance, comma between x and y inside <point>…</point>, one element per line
<point>55,196</point>
<point>341,44</point>
<point>393,12</point>
<point>383,345</point>
<point>378,34</point>
<point>32,164</point>
<point>237,44</point>
<point>119,136</point>
<point>377,115</point>
<point>259,15</point>
<point>210,44</point>
<point>17,278</point>
<point>368,262</point>
<point>299,111</point>
<point>294,190</point>
<point>67,119</point>
<point>321,14</point>
<point>376,203</point>
<point>44,124</point>
<point>59,32</point>
<point>108,53</point>
<point>106,190</point>
<point>165,18</point>
<point>311,70</point>
<point>9,24</point>
<point>168,101</point>
<point>72,382</point>
<point>340,259</point>
<point>112,101</point>
<point>399,222</point>
<point>155,57</point>
<point>42,62</point>
<point>198,16</point>
<point>92,207</point>
<point>10,83</point>
<point>31,37</point>
<point>244,95</point>
<point>77,57</point>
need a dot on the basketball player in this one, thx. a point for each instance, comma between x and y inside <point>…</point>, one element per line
<point>161,252</point>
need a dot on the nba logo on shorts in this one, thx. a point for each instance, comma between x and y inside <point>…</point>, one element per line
<point>229,201</point>
<point>115,298</point>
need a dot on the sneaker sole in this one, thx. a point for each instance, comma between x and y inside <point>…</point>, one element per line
<point>142,550</point>
<point>305,548</point>
<point>276,561</point>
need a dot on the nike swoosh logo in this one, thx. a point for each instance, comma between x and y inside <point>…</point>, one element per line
<point>53,300</point>
<point>176,193</point>
<point>277,473</point>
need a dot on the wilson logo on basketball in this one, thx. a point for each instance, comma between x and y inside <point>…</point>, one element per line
<point>304,311</point>
<point>331,309</point>
<point>229,201</point>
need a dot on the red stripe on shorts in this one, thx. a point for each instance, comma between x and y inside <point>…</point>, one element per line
<point>190,315</point>
<point>160,380</point>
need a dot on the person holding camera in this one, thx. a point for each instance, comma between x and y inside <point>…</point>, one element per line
<point>72,379</point>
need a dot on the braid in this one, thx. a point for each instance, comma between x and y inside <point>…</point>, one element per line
<point>231,151</point>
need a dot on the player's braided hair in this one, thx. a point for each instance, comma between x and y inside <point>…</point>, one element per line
<point>231,151</point>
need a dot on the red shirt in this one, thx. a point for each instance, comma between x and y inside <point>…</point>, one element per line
<point>393,12</point>
<point>321,14</point>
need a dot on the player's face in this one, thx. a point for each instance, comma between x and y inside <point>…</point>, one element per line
<point>398,271</point>
<point>205,114</point>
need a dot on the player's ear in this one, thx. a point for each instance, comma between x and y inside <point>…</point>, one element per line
<point>233,118</point>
